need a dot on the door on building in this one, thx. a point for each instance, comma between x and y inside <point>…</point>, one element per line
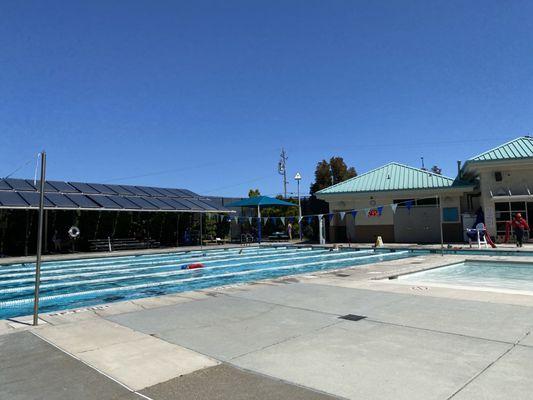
<point>418,225</point>
<point>529,218</point>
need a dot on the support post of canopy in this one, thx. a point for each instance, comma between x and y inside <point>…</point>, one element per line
<point>201,231</point>
<point>259,224</point>
<point>39,241</point>
<point>441,230</point>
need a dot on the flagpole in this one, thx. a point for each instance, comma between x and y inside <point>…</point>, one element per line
<point>259,224</point>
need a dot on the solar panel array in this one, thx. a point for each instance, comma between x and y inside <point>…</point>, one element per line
<point>22,193</point>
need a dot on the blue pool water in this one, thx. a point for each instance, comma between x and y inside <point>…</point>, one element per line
<point>485,274</point>
<point>85,282</point>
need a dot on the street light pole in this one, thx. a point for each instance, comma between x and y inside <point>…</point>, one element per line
<point>298,178</point>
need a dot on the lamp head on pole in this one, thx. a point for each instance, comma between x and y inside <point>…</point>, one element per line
<point>297,176</point>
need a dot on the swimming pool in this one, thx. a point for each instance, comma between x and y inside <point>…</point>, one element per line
<point>84,282</point>
<point>516,276</point>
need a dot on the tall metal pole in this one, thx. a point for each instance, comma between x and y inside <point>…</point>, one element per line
<point>282,169</point>
<point>39,240</point>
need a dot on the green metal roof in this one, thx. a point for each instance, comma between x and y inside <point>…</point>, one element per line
<point>518,148</point>
<point>392,176</point>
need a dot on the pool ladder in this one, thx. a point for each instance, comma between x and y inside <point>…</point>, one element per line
<point>247,239</point>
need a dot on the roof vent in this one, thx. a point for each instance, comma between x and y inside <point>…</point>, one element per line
<point>352,317</point>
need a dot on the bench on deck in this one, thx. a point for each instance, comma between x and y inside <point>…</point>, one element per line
<point>113,244</point>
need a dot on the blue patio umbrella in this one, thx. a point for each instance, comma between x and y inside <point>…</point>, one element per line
<point>260,201</point>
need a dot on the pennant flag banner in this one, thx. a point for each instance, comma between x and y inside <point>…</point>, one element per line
<point>341,215</point>
<point>282,220</point>
<point>330,216</point>
<point>354,213</point>
<point>380,210</point>
<point>394,207</point>
<point>236,219</point>
<point>320,216</point>
<point>300,219</point>
<point>409,204</point>
<point>291,219</point>
<point>250,220</point>
<point>265,220</point>
<point>310,219</point>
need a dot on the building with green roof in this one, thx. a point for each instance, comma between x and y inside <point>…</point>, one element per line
<point>506,170</point>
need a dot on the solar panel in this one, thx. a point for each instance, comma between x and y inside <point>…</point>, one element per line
<point>12,199</point>
<point>20,184</point>
<point>84,188</point>
<point>135,190</point>
<point>190,204</point>
<point>121,189</point>
<point>177,193</point>
<point>177,204</point>
<point>165,192</point>
<point>188,193</point>
<point>104,201</point>
<point>32,198</point>
<point>103,189</point>
<point>60,187</point>
<point>144,204</point>
<point>4,185</point>
<point>82,201</point>
<point>157,201</point>
<point>202,204</point>
<point>149,190</point>
<point>60,200</point>
<point>125,203</point>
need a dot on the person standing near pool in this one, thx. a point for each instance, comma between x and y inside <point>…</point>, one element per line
<point>289,230</point>
<point>519,225</point>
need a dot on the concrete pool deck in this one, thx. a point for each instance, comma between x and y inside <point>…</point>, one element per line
<point>282,339</point>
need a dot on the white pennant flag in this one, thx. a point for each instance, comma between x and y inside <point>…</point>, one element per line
<point>282,220</point>
<point>300,219</point>
<point>342,214</point>
<point>394,207</point>
<point>265,219</point>
<point>250,220</point>
<point>236,219</point>
<point>320,216</point>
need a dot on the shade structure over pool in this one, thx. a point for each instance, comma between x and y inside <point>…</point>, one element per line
<point>23,194</point>
<point>261,201</point>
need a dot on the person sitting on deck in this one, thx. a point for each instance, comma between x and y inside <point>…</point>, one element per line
<point>519,226</point>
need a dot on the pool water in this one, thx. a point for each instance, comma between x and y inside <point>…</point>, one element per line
<point>479,274</point>
<point>86,282</point>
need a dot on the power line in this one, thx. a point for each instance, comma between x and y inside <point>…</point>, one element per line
<point>18,169</point>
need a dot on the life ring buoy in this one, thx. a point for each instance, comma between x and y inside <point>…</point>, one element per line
<point>74,232</point>
<point>192,266</point>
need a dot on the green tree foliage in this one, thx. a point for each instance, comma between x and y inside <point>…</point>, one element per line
<point>331,173</point>
<point>254,193</point>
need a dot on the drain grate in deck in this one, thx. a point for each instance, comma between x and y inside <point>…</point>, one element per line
<point>352,317</point>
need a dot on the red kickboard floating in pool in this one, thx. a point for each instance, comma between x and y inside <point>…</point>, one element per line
<point>192,266</point>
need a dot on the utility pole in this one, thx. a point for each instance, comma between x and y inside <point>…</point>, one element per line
<point>282,170</point>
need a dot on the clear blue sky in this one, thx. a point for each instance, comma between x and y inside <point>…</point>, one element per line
<point>203,94</point>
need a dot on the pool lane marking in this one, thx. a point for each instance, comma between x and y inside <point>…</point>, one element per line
<point>139,260</point>
<point>96,270</point>
<point>180,281</point>
<point>162,273</point>
<point>140,263</point>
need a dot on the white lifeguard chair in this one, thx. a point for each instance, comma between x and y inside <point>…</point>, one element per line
<point>481,235</point>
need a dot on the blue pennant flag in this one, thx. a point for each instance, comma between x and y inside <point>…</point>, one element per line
<point>309,220</point>
<point>291,219</point>
<point>330,216</point>
<point>354,213</point>
<point>380,210</point>
<point>409,204</point>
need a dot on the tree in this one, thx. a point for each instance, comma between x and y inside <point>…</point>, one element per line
<point>436,170</point>
<point>254,193</point>
<point>330,173</point>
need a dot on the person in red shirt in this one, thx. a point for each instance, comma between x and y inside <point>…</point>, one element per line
<point>519,225</point>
